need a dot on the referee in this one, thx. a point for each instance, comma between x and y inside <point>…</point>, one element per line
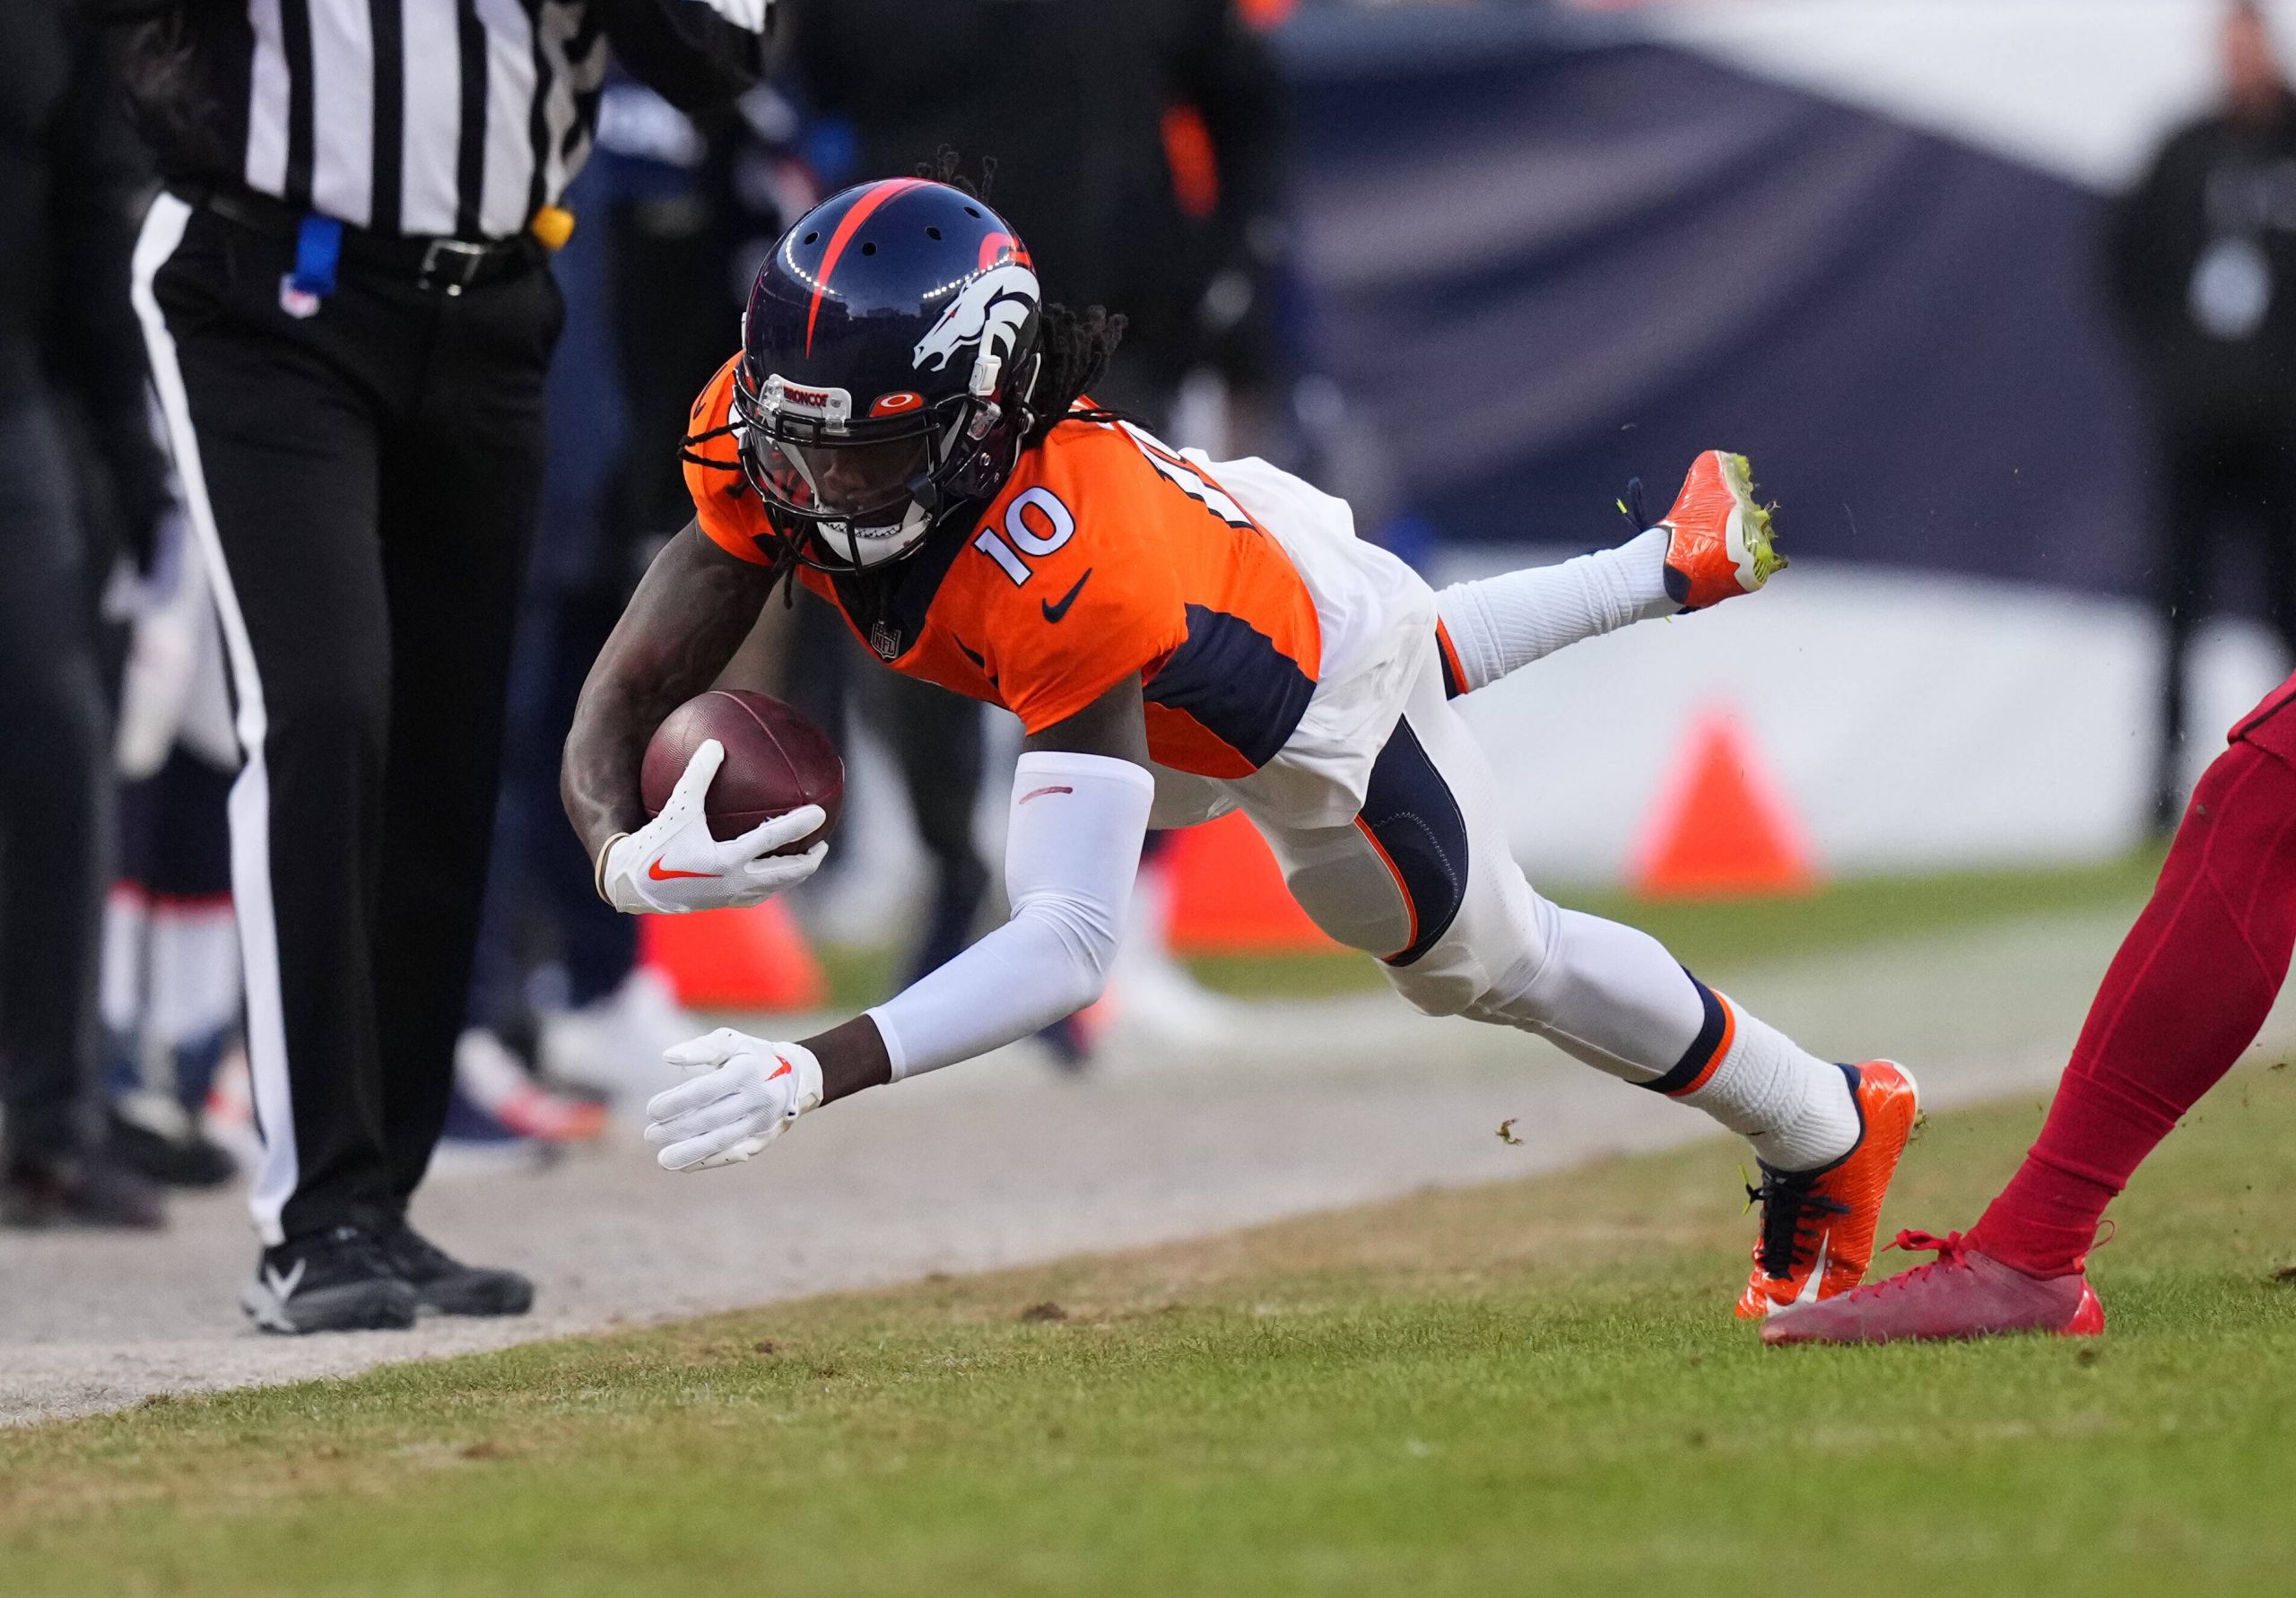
<point>343,292</point>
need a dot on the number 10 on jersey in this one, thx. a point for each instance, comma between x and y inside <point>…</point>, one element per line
<point>1051,526</point>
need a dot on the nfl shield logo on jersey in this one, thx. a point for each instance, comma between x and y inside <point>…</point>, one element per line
<point>884,640</point>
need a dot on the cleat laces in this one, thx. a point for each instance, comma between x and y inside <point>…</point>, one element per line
<point>1631,506</point>
<point>1794,1214</point>
<point>1953,1255</point>
<point>1949,1248</point>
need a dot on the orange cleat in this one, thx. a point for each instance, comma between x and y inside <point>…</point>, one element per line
<point>1718,541</point>
<point>1817,1227</point>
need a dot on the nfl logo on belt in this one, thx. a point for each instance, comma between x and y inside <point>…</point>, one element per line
<point>296,301</point>
<point>884,640</point>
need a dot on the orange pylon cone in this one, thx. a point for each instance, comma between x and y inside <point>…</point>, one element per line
<point>735,959</point>
<point>1229,897</point>
<point>1721,828</point>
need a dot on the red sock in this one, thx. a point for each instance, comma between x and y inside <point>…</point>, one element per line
<point>2185,994</point>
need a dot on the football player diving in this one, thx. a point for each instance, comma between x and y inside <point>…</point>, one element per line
<point>906,431</point>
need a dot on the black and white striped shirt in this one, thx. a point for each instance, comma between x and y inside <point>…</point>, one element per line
<point>447,117</point>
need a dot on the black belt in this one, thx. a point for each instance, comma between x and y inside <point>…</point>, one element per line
<point>447,264</point>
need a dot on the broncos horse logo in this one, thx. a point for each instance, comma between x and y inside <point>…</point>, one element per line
<point>989,310</point>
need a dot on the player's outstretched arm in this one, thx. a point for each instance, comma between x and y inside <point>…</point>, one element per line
<point>1081,796</point>
<point>691,613</point>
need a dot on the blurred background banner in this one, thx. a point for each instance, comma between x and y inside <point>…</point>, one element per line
<point>1551,254</point>
<point>1546,249</point>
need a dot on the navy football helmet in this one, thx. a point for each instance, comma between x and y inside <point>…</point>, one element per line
<point>888,352</point>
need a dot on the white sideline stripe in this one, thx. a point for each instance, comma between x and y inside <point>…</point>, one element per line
<point>250,802</point>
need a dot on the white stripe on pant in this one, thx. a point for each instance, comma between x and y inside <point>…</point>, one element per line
<point>250,805</point>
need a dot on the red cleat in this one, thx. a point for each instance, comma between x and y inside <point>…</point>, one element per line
<point>1960,1294</point>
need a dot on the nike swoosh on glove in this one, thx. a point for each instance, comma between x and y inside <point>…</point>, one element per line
<point>749,1092</point>
<point>672,864</point>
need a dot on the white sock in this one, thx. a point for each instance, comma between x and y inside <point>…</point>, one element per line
<point>1501,624</point>
<point>1794,1109</point>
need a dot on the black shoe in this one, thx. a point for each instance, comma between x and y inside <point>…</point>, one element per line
<point>444,1285</point>
<point>339,1280</point>
<point>192,1161</point>
<point>89,1191</point>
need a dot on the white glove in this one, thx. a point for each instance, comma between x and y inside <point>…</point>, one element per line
<point>752,1091</point>
<point>672,864</point>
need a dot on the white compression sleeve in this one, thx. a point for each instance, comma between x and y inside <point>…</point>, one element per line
<point>1501,624</point>
<point>1070,849</point>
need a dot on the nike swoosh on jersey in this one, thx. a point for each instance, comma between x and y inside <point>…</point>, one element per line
<point>655,871</point>
<point>1054,612</point>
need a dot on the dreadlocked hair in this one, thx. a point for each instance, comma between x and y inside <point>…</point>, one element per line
<point>1074,348</point>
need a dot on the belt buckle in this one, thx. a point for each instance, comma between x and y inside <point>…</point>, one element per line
<point>456,261</point>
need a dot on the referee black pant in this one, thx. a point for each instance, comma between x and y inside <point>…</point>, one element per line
<point>55,795</point>
<point>364,481</point>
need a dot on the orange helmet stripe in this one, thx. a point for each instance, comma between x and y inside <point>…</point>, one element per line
<point>848,225</point>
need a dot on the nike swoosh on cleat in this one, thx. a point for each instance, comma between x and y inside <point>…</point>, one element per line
<point>1809,1293</point>
<point>282,1287</point>
<point>1054,612</point>
<point>655,872</point>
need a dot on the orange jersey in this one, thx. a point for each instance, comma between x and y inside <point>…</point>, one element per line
<point>1107,556</point>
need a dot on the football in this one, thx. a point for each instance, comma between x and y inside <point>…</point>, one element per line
<point>775,761</point>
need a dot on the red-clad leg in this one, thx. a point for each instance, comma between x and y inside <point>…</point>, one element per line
<point>2185,994</point>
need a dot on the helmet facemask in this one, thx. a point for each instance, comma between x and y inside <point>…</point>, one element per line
<point>852,494</point>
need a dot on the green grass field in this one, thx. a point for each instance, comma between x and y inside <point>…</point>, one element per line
<point>1527,1387</point>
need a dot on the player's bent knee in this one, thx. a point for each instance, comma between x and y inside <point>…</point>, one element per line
<point>1435,992</point>
<point>1493,979</point>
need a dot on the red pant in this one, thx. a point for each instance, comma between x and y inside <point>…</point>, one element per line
<point>2185,994</point>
